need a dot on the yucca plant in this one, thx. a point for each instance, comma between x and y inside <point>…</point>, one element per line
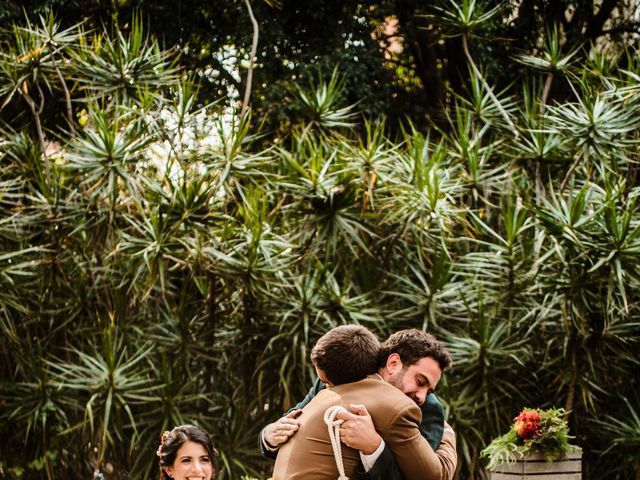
<point>164,261</point>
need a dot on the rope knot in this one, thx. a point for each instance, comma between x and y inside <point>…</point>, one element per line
<point>333,426</point>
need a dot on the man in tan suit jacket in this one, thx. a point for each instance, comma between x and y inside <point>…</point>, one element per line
<point>308,455</point>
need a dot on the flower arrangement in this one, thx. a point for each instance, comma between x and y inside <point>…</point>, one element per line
<point>533,430</point>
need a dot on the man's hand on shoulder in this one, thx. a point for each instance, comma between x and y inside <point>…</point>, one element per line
<point>357,431</point>
<point>278,432</point>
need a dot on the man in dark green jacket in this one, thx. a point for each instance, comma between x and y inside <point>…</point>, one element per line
<point>407,362</point>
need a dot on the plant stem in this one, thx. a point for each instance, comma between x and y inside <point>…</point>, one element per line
<point>36,116</point>
<point>47,468</point>
<point>211,303</point>
<point>545,91</point>
<point>67,95</point>
<point>254,49</point>
<point>573,166</point>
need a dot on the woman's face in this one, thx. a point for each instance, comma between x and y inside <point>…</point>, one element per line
<point>192,463</point>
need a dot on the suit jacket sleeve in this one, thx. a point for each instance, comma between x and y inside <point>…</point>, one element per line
<point>447,453</point>
<point>412,452</point>
<point>385,468</point>
<point>317,386</point>
<point>431,428</point>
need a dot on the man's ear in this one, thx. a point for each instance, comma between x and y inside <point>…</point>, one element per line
<point>394,364</point>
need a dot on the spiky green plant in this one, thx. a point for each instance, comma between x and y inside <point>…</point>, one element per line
<point>163,261</point>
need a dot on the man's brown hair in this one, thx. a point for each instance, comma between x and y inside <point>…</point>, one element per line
<point>346,354</point>
<point>412,345</point>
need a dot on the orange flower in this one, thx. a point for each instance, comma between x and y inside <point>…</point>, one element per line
<point>527,424</point>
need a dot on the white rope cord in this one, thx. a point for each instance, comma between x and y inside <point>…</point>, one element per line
<point>334,435</point>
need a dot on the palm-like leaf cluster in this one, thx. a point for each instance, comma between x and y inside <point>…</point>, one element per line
<point>159,265</point>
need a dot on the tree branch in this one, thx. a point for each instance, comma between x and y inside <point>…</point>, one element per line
<point>624,28</point>
<point>36,112</point>
<point>254,49</point>
<point>67,94</point>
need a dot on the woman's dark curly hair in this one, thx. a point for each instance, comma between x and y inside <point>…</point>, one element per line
<point>170,443</point>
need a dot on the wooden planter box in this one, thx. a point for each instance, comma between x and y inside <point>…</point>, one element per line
<point>533,466</point>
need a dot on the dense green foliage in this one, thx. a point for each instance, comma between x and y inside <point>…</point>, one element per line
<point>399,57</point>
<point>161,261</point>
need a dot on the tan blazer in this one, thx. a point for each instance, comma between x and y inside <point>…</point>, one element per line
<point>308,454</point>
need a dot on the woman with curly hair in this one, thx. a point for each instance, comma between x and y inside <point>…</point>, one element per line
<point>187,452</point>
